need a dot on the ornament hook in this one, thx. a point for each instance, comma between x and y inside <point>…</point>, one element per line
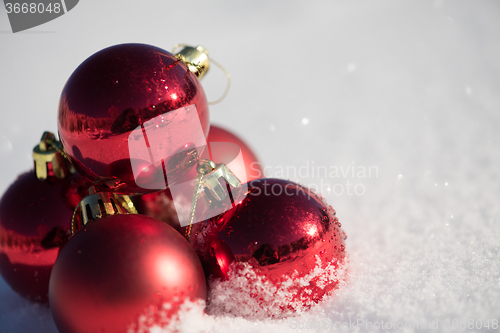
<point>198,62</point>
<point>228,78</point>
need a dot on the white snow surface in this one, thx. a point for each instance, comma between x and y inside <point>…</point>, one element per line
<point>398,100</point>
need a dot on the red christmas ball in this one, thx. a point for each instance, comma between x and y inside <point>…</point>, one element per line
<point>287,246</point>
<point>223,147</point>
<point>133,115</point>
<point>35,218</point>
<point>248,169</point>
<point>115,268</point>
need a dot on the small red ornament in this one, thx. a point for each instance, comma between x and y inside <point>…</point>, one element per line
<point>249,170</point>
<point>115,268</point>
<point>160,204</point>
<point>35,220</point>
<point>287,246</point>
<point>131,115</point>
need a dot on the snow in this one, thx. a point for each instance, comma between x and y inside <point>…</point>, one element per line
<point>409,89</point>
<point>234,297</point>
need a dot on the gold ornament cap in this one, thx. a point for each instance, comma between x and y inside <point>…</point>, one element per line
<point>48,158</point>
<point>99,205</point>
<point>195,58</point>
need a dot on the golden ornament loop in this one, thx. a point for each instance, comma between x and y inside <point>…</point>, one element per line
<point>198,62</point>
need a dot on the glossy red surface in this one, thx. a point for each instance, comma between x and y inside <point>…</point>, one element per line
<point>114,268</point>
<point>280,229</point>
<point>125,88</point>
<point>160,204</point>
<point>35,219</point>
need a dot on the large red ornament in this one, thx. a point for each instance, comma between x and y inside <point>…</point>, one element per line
<point>280,250</point>
<point>115,268</point>
<point>35,220</point>
<point>132,115</point>
<point>160,204</point>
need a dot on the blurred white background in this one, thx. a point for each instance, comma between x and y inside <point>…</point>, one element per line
<point>409,87</point>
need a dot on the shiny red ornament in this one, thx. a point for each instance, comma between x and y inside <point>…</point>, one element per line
<point>115,268</point>
<point>35,220</point>
<point>281,249</point>
<point>160,204</point>
<point>131,115</point>
<point>250,170</point>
